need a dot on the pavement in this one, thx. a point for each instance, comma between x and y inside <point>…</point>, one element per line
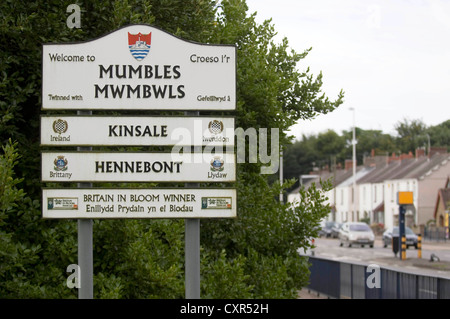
<point>306,293</point>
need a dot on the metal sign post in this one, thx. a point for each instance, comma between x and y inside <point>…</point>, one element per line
<point>85,246</point>
<point>192,247</point>
<point>85,259</point>
<point>192,258</point>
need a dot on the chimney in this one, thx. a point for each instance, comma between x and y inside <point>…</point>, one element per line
<point>420,152</point>
<point>348,164</point>
<point>438,150</point>
<point>405,156</point>
<point>393,157</point>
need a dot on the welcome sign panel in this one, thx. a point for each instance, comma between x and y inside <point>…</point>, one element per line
<point>139,67</point>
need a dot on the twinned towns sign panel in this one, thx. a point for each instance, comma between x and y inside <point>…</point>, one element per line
<point>136,131</point>
<point>137,167</point>
<point>139,67</point>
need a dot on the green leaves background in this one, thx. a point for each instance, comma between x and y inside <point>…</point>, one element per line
<point>253,256</point>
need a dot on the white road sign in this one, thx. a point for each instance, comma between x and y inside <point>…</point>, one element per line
<point>139,203</point>
<point>139,67</point>
<point>137,167</point>
<point>136,131</point>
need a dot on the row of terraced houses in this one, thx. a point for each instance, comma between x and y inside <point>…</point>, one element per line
<point>371,194</point>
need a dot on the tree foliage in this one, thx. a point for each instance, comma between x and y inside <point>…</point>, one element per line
<point>328,148</point>
<point>252,256</point>
<point>440,135</point>
<point>410,133</point>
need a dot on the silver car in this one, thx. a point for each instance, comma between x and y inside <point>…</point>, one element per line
<point>356,233</point>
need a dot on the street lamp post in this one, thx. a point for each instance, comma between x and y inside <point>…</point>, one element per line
<point>354,167</point>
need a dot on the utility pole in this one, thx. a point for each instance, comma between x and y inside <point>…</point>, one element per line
<point>354,167</point>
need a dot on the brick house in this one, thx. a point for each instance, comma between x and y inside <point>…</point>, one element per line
<point>377,184</point>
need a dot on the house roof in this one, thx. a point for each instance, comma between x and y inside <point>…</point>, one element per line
<point>421,169</point>
<point>379,208</point>
<point>408,168</point>
<point>359,174</point>
<point>379,174</point>
<point>336,178</point>
<point>444,198</point>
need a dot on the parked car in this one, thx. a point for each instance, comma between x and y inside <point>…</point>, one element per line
<point>326,229</point>
<point>411,238</point>
<point>356,233</point>
<point>335,230</point>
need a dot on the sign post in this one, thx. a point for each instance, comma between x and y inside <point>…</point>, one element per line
<point>192,247</point>
<point>192,257</point>
<point>138,67</point>
<point>404,199</point>
<point>85,259</point>
<point>85,244</point>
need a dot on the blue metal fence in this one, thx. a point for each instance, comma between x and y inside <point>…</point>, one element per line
<point>346,280</point>
<point>435,234</point>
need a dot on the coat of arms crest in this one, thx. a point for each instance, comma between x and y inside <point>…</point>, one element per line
<point>139,45</point>
<point>60,163</point>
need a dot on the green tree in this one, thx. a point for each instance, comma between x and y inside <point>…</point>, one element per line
<point>439,135</point>
<point>368,140</point>
<point>271,93</point>
<point>145,258</point>
<point>410,135</point>
<point>299,157</point>
<point>314,151</point>
<point>321,150</point>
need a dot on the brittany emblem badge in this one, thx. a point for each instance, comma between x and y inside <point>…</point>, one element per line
<point>60,163</point>
<point>139,45</point>
<point>217,164</point>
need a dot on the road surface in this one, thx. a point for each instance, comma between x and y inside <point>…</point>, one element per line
<point>384,257</point>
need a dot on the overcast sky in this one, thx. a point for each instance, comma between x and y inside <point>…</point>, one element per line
<point>391,58</point>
